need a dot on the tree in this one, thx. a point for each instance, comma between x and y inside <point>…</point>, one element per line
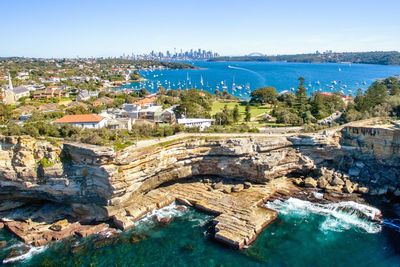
<point>29,129</point>
<point>5,113</point>
<point>247,113</point>
<point>264,95</point>
<point>236,114</point>
<point>194,104</point>
<point>143,92</point>
<point>393,85</point>
<point>301,97</point>
<point>135,76</point>
<point>288,99</point>
<point>217,93</point>
<point>286,116</point>
<point>376,94</point>
<point>323,105</point>
<point>224,117</point>
<point>359,101</point>
<point>161,90</point>
<point>318,108</point>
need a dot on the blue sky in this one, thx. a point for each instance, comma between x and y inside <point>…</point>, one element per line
<point>69,28</point>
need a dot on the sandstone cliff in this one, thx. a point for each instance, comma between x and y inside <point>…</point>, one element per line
<point>98,182</point>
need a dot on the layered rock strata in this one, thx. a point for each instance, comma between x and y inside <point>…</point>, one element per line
<point>99,184</point>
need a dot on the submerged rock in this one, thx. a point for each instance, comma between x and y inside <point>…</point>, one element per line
<point>363,190</point>
<point>3,244</point>
<point>181,208</point>
<point>164,220</point>
<point>137,237</point>
<point>188,247</point>
<point>16,252</point>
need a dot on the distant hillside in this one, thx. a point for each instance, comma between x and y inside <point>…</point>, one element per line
<point>379,57</point>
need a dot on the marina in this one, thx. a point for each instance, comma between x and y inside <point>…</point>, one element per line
<point>241,78</point>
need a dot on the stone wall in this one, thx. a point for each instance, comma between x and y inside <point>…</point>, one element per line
<point>372,157</point>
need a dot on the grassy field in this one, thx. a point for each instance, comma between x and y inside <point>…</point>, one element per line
<point>255,111</point>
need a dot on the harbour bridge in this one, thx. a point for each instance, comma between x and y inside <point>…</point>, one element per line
<point>255,54</point>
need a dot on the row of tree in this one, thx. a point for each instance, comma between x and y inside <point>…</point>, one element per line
<point>381,99</point>
<point>298,108</point>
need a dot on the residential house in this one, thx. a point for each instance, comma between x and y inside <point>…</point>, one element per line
<point>117,119</point>
<point>103,101</point>
<point>50,92</point>
<point>192,123</point>
<point>85,95</point>
<point>23,75</point>
<point>147,101</point>
<point>168,116</point>
<point>152,113</point>
<point>92,121</point>
<point>346,99</point>
<point>132,110</point>
<point>120,124</point>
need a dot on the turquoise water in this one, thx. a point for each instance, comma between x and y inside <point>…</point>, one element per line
<point>295,239</point>
<point>240,78</point>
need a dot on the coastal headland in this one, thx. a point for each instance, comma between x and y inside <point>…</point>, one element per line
<point>83,189</point>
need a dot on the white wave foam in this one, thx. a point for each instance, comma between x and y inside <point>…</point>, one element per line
<point>168,211</point>
<point>32,251</point>
<point>200,222</point>
<point>339,216</point>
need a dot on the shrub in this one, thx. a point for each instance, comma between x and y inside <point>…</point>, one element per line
<point>46,163</point>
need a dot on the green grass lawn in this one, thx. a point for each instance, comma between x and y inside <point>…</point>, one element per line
<point>255,111</point>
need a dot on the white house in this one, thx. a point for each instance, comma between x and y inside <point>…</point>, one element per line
<point>191,123</point>
<point>84,95</point>
<point>132,110</point>
<point>92,121</point>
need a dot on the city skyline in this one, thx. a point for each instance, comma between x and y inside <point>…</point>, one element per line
<point>110,29</point>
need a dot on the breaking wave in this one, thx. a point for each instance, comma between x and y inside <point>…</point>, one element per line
<point>168,211</point>
<point>338,216</point>
<point>29,254</point>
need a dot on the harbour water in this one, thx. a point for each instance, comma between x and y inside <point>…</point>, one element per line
<point>240,78</point>
<point>303,235</point>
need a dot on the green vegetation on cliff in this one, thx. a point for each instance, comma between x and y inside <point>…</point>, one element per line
<point>379,57</point>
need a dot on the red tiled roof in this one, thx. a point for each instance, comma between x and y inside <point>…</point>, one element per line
<point>147,100</point>
<point>326,94</point>
<point>80,118</point>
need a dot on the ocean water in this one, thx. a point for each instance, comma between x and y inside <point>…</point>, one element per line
<point>303,235</point>
<point>240,78</point>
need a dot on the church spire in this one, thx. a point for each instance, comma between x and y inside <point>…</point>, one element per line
<point>10,85</point>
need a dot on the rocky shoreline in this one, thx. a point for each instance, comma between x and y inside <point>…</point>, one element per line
<point>86,190</point>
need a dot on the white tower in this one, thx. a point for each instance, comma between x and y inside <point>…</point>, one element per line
<point>8,94</point>
<point>10,85</point>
